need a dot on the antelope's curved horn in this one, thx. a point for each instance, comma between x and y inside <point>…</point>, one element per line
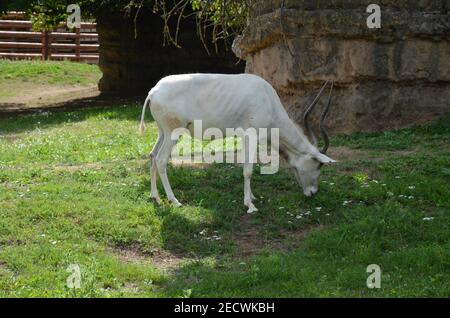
<point>322,119</point>
<point>308,111</point>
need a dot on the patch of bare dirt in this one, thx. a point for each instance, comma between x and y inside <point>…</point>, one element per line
<point>167,260</point>
<point>11,137</point>
<point>46,95</point>
<point>250,238</point>
<point>345,153</point>
<point>160,259</point>
<point>74,168</point>
<point>4,270</point>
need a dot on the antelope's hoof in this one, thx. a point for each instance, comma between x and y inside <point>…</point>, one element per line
<point>176,204</point>
<point>252,210</point>
<point>157,200</point>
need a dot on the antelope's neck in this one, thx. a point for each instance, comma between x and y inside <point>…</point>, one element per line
<point>293,139</point>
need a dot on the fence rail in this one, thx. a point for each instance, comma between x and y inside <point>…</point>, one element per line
<point>19,41</point>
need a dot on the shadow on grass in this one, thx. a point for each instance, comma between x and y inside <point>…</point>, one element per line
<point>213,216</point>
<point>107,106</point>
<point>208,217</point>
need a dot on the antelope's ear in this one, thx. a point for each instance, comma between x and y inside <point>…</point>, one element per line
<point>324,159</point>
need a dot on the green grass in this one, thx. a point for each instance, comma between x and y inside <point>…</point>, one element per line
<point>74,189</point>
<point>19,78</point>
<point>49,72</point>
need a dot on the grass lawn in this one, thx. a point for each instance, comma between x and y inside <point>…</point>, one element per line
<point>33,83</point>
<point>75,187</point>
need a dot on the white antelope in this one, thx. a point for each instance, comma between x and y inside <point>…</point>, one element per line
<point>231,101</point>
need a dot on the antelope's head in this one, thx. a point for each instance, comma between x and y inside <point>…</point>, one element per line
<point>307,166</point>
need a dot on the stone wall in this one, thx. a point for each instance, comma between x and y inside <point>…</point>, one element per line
<point>134,59</point>
<point>385,78</point>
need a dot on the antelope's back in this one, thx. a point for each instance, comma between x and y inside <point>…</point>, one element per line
<point>219,100</point>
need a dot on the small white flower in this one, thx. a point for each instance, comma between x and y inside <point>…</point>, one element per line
<point>54,242</point>
<point>299,217</point>
<point>428,218</point>
<point>397,177</point>
<point>411,187</point>
<point>383,184</point>
<point>318,208</point>
<point>281,208</point>
<point>331,183</point>
<point>411,197</point>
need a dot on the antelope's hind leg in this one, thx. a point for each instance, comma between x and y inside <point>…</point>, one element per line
<point>162,159</point>
<point>154,170</point>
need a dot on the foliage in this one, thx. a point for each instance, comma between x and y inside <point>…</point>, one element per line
<point>220,18</point>
<point>17,5</point>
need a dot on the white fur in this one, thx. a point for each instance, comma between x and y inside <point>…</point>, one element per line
<point>226,101</point>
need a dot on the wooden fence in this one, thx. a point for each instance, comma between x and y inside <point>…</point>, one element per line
<point>19,41</point>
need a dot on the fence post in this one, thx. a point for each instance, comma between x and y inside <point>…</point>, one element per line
<point>38,44</point>
<point>49,45</point>
<point>77,43</point>
<point>45,45</point>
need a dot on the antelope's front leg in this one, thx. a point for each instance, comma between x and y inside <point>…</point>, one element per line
<point>248,196</point>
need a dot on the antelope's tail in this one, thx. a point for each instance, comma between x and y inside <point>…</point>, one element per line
<point>142,125</point>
